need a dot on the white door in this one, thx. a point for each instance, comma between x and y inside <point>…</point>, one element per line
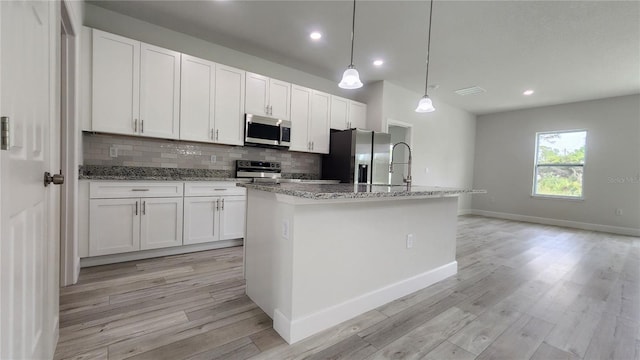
<point>160,223</point>
<point>197,99</point>
<point>279,97</point>
<point>159,92</point>
<point>232,217</point>
<point>114,226</point>
<point>357,115</point>
<point>116,84</point>
<point>229,109</point>
<point>319,122</point>
<point>28,256</point>
<point>256,99</point>
<point>201,219</point>
<point>300,116</point>
<point>339,112</point>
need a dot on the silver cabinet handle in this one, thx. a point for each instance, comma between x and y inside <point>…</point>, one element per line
<point>211,135</point>
<point>141,126</point>
<point>270,109</point>
<point>266,109</point>
<point>144,208</point>
<point>312,145</point>
<point>222,204</point>
<point>136,208</point>
<point>139,189</point>
<point>218,204</point>
<point>135,125</point>
<point>217,133</point>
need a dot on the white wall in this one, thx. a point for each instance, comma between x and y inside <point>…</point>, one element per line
<point>443,141</point>
<point>505,157</point>
<point>107,20</point>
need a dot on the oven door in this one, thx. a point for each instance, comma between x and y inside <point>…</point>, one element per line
<point>262,130</point>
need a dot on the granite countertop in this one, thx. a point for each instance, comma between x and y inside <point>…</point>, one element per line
<point>356,191</point>
<point>131,173</point>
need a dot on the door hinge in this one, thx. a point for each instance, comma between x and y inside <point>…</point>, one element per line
<point>4,133</point>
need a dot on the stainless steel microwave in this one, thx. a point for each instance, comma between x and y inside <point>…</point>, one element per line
<point>266,131</point>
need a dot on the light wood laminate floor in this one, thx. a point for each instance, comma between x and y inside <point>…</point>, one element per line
<point>523,291</point>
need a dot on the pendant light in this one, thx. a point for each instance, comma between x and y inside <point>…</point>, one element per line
<point>351,78</point>
<point>425,105</point>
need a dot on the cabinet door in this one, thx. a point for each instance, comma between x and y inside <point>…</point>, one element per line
<point>279,97</point>
<point>229,109</point>
<point>300,117</point>
<point>159,92</point>
<point>201,219</point>
<point>256,99</point>
<point>339,112</point>
<point>114,226</point>
<point>319,122</point>
<point>357,115</point>
<point>160,223</point>
<point>116,81</point>
<point>232,217</point>
<point>197,99</point>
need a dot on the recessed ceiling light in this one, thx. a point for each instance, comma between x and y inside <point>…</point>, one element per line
<point>315,35</point>
<point>378,62</point>
<point>528,92</point>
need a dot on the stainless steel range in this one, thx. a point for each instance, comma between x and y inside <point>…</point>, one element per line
<point>258,169</point>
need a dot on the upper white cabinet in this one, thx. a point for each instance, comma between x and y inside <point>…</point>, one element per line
<point>116,83</point>
<point>267,97</point>
<point>347,114</point>
<point>212,102</point>
<point>309,120</point>
<point>136,87</point>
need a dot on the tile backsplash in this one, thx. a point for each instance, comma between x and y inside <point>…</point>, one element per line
<point>146,152</point>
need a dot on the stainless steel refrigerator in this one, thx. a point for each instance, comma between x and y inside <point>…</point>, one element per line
<point>358,156</point>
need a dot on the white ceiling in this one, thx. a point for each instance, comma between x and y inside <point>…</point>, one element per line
<point>565,50</point>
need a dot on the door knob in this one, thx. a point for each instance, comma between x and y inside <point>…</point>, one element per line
<point>56,179</point>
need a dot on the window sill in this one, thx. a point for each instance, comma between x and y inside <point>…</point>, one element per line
<point>555,197</point>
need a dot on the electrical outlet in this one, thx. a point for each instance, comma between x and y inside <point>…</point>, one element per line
<point>426,170</point>
<point>409,241</point>
<point>213,159</point>
<point>618,211</point>
<point>113,152</point>
<point>285,229</point>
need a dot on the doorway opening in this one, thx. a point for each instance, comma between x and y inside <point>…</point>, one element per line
<point>400,132</point>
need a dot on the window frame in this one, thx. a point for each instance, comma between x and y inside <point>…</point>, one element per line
<point>536,166</point>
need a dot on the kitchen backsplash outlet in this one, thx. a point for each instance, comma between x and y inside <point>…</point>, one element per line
<point>146,152</point>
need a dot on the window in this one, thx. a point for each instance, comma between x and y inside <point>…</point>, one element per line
<point>559,165</point>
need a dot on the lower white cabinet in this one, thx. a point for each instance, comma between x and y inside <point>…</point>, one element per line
<point>213,218</point>
<point>124,225</point>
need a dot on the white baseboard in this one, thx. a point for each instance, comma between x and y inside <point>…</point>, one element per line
<point>464,212</point>
<point>297,329</point>
<point>146,254</point>
<point>556,222</point>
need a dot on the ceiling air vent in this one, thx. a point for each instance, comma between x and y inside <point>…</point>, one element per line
<point>470,91</point>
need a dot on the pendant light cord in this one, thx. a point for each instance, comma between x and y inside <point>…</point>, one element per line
<point>353,30</point>
<point>426,81</point>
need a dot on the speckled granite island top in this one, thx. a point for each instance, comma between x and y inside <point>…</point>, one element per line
<point>356,191</point>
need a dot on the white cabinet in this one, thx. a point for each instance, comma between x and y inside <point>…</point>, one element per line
<point>212,218</point>
<point>357,115</point>
<point>309,120</point>
<point>267,97</point>
<point>211,102</point>
<point>125,217</point>
<point>347,114</point>
<point>136,87</point>
<point>160,223</point>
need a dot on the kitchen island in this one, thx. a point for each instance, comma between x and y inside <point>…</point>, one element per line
<point>317,255</point>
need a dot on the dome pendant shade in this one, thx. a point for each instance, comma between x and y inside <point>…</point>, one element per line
<point>350,79</point>
<point>425,105</point>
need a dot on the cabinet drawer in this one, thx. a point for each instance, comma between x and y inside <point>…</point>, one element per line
<point>124,189</point>
<point>206,188</point>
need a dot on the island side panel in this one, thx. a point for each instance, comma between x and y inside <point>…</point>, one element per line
<point>268,254</point>
<point>349,258</point>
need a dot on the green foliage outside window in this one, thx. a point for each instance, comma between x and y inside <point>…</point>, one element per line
<point>559,166</point>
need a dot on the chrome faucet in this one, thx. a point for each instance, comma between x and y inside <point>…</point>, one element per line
<point>407,180</point>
